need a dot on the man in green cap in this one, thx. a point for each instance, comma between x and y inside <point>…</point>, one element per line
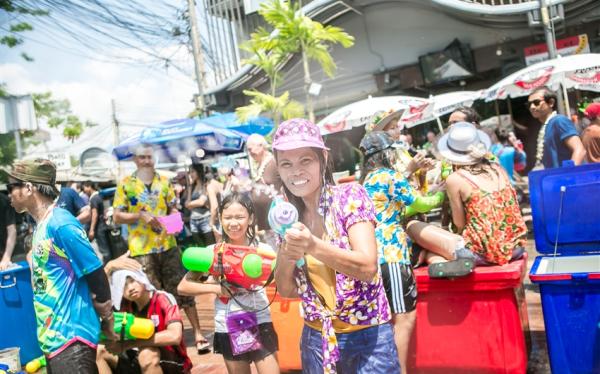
<point>71,294</point>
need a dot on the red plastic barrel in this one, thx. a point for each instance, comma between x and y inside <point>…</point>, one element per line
<point>472,324</point>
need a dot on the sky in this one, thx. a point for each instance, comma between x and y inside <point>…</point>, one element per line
<point>144,94</point>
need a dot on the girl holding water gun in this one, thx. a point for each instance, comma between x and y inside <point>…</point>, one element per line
<point>257,341</point>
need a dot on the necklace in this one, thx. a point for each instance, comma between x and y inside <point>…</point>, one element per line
<point>261,168</point>
<point>48,210</point>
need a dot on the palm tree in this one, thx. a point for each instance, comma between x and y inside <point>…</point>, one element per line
<point>268,56</point>
<point>297,33</point>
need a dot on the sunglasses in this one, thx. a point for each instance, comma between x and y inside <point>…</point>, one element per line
<point>535,102</point>
<point>11,186</point>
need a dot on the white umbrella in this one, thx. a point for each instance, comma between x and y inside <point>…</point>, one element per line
<point>362,112</point>
<point>446,103</point>
<point>577,71</point>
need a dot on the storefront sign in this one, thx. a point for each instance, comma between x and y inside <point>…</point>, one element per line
<point>572,45</point>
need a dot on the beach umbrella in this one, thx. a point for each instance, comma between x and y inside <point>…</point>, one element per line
<point>580,71</point>
<point>446,103</point>
<point>230,121</point>
<point>363,112</point>
<point>182,137</point>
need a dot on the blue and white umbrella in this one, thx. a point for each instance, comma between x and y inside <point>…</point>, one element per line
<point>229,121</point>
<point>182,137</point>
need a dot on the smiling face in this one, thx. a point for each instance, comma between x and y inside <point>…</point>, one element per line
<point>300,171</point>
<point>235,220</point>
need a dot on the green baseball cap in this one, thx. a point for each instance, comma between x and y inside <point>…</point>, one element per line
<point>34,171</point>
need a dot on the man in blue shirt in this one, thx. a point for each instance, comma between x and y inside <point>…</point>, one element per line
<point>70,200</point>
<point>558,139</point>
<point>71,294</point>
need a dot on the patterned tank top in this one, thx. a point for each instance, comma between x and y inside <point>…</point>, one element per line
<point>494,224</point>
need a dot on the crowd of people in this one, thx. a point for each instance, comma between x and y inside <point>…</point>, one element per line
<point>349,258</point>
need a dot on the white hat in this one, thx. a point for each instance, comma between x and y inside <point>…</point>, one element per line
<point>463,144</point>
<point>117,284</point>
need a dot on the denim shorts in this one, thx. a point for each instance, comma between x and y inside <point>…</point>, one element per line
<point>371,350</point>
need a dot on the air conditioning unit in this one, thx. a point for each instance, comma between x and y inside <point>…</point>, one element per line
<point>220,99</point>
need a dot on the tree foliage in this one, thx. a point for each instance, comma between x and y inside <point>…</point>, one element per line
<point>260,102</point>
<point>57,113</point>
<point>297,33</point>
<point>293,33</point>
<point>16,8</point>
<point>269,56</point>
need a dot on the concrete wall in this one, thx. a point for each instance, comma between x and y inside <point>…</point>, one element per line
<point>389,35</point>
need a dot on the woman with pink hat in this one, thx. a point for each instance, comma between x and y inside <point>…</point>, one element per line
<point>483,201</point>
<point>345,309</point>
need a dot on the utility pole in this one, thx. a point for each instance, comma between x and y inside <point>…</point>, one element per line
<point>116,140</point>
<point>198,57</point>
<point>18,143</point>
<point>551,43</point>
<point>545,16</point>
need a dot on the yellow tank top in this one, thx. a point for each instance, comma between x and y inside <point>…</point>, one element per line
<point>322,279</point>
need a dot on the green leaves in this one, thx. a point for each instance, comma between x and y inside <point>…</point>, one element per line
<point>295,32</point>
<point>57,113</point>
<point>12,39</point>
<point>281,107</point>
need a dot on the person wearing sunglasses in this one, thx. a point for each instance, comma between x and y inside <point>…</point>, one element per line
<point>558,139</point>
<point>71,294</point>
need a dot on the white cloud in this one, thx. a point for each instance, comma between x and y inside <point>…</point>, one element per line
<point>142,95</point>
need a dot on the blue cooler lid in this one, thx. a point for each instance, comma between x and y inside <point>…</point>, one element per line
<point>579,230</point>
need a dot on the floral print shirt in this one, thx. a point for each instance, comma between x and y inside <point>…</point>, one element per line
<point>390,193</point>
<point>494,224</point>
<point>132,196</point>
<point>357,303</point>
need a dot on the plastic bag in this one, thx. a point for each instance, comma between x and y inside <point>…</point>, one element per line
<point>243,332</point>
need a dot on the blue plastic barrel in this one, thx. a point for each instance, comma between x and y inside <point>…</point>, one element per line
<point>564,205</point>
<point>17,316</point>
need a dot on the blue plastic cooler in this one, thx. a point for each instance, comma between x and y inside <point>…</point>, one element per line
<point>565,204</point>
<point>17,316</point>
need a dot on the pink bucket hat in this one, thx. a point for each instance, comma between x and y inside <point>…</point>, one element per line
<point>297,133</point>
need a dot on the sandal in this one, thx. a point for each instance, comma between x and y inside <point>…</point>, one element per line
<point>203,346</point>
<point>457,268</point>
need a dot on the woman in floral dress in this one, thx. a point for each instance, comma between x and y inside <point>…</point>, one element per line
<point>483,202</point>
<point>344,305</point>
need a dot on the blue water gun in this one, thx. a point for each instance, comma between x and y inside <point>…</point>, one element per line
<point>282,215</point>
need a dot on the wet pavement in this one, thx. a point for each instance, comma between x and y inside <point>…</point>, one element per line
<point>538,358</point>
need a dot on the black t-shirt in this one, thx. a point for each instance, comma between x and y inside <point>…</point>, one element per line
<point>97,203</point>
<point>7,218</point>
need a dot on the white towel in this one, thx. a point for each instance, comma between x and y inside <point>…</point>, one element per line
<point>117,284</point>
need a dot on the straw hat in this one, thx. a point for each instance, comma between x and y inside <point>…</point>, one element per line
<point>382,119</point>
<point>463,144</point>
